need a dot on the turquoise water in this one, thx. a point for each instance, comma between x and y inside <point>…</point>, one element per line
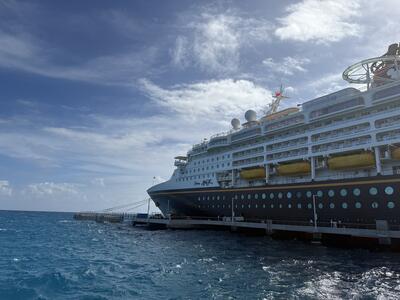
<point>51,256</point>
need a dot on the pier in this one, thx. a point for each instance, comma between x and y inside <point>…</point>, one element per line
<point>378,234</point>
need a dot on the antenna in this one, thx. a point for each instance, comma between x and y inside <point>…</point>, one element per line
<point>274,105</point>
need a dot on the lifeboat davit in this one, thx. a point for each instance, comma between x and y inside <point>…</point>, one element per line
<point>254,173</point>
<point>298,168</point>
<point>353,161</point>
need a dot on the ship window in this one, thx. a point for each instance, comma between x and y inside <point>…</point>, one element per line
<point>331,193</point>
<point>298,194</point>
<point>256,196</point>
<point>343,192</point>
<point>249,196</point>
<point>358,205</point>
<point>280,205</point>
<point>263,196</point>
<point>344,205</point>
<point>249,205</point>
<point>390,204</point>
<point>299,205</point>
<point>289,195</point>
<point>223,205</point>
<point>320,206</point>
<point>236,197</point>
<point>289,206</point>
<point>199,199</point>
<point>309,205</point>
<point>263,205</point>
<point>309,194</point>
<point>272,206</point>
<point>332,205</point>
<point>280,195</point>
<point>389,190</point>
<point>373,191</point>
<point>213,198</point>
<point>236,206</point>
<point>256,206</point>
<point>356,192</point>
<point>217,197</point>
<point>208,198</point>
<point>242,205</point>
<point>223,197</point>
<point>320,194</point>
<point>242,196</point>
<point>374,204</point>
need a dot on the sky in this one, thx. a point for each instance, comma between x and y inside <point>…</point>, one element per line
<point>98,97</point>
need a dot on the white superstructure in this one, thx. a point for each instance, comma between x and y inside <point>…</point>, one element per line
<point>346,134</point>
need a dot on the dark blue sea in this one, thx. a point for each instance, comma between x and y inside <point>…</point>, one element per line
<point>51,256</point>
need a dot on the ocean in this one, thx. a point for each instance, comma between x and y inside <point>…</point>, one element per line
<point>52,256</point>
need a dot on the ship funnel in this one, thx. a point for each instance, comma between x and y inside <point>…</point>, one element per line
<point>250,115</point>
<point>235,123</point>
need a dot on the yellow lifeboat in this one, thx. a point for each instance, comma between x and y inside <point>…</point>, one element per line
<point>298,168</point>
<point>396,153</point>
<point>353,161</point>
<point>255,173</point>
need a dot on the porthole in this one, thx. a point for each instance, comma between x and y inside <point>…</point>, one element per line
<point>256,196</point>
<point>390,204</point>
<point>272,206</point>
<point>236,197</point>
<point>332,205</point>
<point>344,205</point>
<point>256,206</point>
<point>389,191</point>
<point>236,206</point>
<point>271,195</point>
<point>218,198</point>
<point>199,198</point>
<point>242,197</point>
<point>289,195</point>
<point>373,191</point>
<point>208,198</point>
<point>309,205</point>
<point>242,205</point>
<point>298,195</point>
<point>280,195</point>
<point>374,204</point>
<point>263,196</point>
<point>320,206</point>
<point>223,197</point>
<point>249,206</point>
<point>309,194</point>
<point>213,198</point>
<point>280,205</point>
<point>358,205</point>
<point>356,192</point>
<point>263,205</point>
<point>331,193</point>
<point>289,206</point>
<point>299,205</point>
<point>320,194</point>
<point>343,192</point>
<point>249,196</point>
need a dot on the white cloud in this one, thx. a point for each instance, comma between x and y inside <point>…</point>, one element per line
<point>5,188</point>
<point>211,99</point>
<point>320,21</point>
<point>213,41</point>
<point>52,188</point>
<point>24,52</point>
<point>288,66</point>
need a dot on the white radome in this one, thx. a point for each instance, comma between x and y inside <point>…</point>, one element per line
<point>235,123</point>
<point>250,115</point>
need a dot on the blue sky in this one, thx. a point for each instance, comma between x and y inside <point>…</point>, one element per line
<point>97,97</point>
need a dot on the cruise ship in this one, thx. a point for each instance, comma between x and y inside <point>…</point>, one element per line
<point>333,160</point>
